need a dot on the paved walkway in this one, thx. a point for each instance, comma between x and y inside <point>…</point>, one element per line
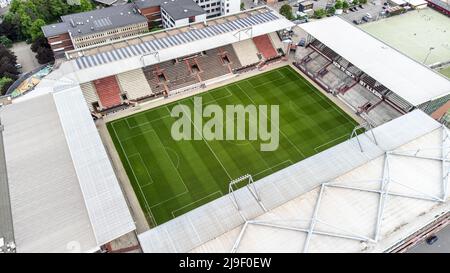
<point>25,56</point>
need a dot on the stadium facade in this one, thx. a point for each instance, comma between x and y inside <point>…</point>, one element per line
<point>384,184</point>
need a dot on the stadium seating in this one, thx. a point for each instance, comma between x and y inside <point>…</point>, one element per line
<point>108,91</point>
<point>90,95</point>
<point>134,84</point>
<point>398,101</point>
<point>327,52</point>
<point>264,46</point>
<point>371,82</point>
<point>246,52</point>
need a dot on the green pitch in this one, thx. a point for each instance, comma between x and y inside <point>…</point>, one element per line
<point>171,178</point>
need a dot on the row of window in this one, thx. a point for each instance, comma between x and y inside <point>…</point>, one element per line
<point>111,32</point>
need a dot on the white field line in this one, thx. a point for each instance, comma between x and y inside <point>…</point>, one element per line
<point>144,123</point>
<point>331,141</point>
<point>331,104</point>
<point>148,173</point>
<point>207,144</point>
<point>147,207</point>
<point>178,173</point>
<point>296,148</point>
<point>270,168</point>
<point>198,200</point>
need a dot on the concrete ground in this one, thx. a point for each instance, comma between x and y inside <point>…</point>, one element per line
<point>25,56</point>
<point>442,245</point>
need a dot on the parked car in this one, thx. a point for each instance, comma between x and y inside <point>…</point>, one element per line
<point>432,239</point>
<point>302,42</point>
<point>356,22</point>
<point>361,6</point>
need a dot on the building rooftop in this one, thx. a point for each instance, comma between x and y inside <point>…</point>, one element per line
<point>179,9</point>
<point>148,3</point>
<point>411,80</point>
<point>85,23</point>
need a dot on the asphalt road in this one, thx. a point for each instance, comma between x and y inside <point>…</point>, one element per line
<point>442,245</point>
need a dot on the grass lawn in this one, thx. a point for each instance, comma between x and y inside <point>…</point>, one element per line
<point>172,177</point>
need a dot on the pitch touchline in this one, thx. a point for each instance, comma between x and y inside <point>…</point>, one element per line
<point>331,141</point>
<point>221,194</point>
<point>270,168</point>
<point>147,207</point>
<point>143,163</point>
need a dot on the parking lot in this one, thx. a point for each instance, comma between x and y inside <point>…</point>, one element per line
<point>372,7</point>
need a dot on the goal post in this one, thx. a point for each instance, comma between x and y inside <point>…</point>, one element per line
<point>250,185</point>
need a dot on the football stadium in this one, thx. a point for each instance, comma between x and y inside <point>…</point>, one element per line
<point>361,164</point>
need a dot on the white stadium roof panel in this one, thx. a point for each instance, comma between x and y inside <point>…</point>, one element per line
<point>47,204</point>
<point>108,210</point>
<point>409,79</point>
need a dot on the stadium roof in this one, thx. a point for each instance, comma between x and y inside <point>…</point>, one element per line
<point>180,9</point>
<point>64,193</point>
<point>409,79</point>
<point>140,51</point>
<point>328,202</point>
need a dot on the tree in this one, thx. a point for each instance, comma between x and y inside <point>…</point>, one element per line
<point>8,62</point>
<point>38,43</point>
<point>355,2</point>
<point>345,5</point>
<point>10,28</point>
<point>5,83</point>
<point>286,11</point>
<point>319,13</point>
<point>338,5</point>
<point>363,1</point>
<point>85,5</point>
<point>5,41</point>
<point>25,17</point>
<point>331,10</point>
<point>44,55</point>
<point>242,6</point>
<point>36,29</point>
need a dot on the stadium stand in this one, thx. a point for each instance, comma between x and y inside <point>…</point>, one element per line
<point>398,101</point>
<point>108,90</point>
<point>134,84</point>
<point>90,95</point>
<point>189,70</point>
<point>276,41</point>
<point>246,52</point>
<point>264,46</point>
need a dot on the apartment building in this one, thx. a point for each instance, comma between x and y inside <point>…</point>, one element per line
<point>101,26</point>
<point>177,13</point>
<point>94,27</point>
